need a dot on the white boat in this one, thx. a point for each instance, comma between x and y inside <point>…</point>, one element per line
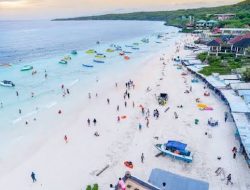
<point>7,83</point>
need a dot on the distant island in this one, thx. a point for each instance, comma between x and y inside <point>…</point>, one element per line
<point>181,17</point>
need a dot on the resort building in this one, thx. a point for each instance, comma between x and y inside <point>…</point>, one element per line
<point>234,31</point>
<point>223,17</point>
<point>160,179</point>
<point>203,24</point>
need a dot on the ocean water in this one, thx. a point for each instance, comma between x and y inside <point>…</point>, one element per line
<point>43,44</point>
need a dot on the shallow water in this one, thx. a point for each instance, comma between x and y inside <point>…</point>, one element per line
<point>43,43</point>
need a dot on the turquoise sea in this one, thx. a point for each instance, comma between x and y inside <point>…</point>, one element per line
<point>42,44</point>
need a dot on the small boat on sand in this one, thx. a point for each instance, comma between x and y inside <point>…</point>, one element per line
<point>85,65</point>
<point>98,61</point>
<point>176,150</point>
<point>7,83</point>
<point>26,68</point>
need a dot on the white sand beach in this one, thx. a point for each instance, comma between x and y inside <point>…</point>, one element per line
<point>72,166</point>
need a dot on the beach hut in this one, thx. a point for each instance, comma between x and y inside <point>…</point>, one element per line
<point>215,46</point>
<point>241,46</point>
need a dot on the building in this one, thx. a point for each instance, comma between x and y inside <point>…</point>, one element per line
<point>203,24</point>
<point>223,17</point>
<point>234,31</point>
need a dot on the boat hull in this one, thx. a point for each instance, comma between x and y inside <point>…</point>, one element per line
<point>161,147</point>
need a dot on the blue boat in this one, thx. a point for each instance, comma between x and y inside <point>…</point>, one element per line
<point>127,52</point>
<point>85,65</point>
<point>176,150</point>
<point>128,46</point>
<point>98,61</point>
<point>135,48</point>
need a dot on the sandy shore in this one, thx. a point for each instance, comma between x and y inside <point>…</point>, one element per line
<point>74,165</point>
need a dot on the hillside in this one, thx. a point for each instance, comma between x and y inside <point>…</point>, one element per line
<point>177,18</point>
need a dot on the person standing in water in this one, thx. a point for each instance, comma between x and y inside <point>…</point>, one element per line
<point>33,177</point>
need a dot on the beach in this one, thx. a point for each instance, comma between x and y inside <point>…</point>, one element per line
<point>75,163</point>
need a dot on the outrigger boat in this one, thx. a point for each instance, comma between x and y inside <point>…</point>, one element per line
<point>85,65</point>
<point>7,83</point>
<point>176,150</point>
<point>98,61</point>
<point>110,50</point>
<point>90,51</point>
<point>26,68</point>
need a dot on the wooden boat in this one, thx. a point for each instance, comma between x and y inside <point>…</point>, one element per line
<point>90,51</point>
<point>110,50</point>
<point>98,61</point>
<point>26,68</point>
<point>85,65</point>
<point>100,56</point>
<point>7,83</point>
<point>63,62</point>
<point>175,149</point>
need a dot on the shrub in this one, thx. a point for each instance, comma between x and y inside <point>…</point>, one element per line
<point>95,187</point>
<point>88,187</point>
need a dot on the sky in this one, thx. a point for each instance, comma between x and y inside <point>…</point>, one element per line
<point>49,9</point>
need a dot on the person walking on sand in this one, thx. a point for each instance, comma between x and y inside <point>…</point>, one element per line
<point>20,111</point>
<point>133,104</point>
<point>94,121</point>
<point>147,122</point>
<point>140,126</point>
<point>234,150</point>
<point>125,104</point>
<point>117,108</point>
<point>67,90</point>
<point>65,138</point>
<point>17,93</point>
<point>89,95</point>
<point>108,101</point>
<point>118,119</point>
<point>142,158</point>
<point>229,178</point>
<point>33,177</point>
<point>88,122</point>
<point>226,116</point>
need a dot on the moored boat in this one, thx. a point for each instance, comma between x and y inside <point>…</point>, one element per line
<point>135,48</point>
<point>7,83</point>
<point>26,68</point>
<point>74,52</point>
<point>126,57</point>
<point>110,50</point>
<point>63,62</point>
<point>100,56</point>
<point>85,65</point>
<point>98,61</point>
<point>90,51</point>
<point>176,150</point>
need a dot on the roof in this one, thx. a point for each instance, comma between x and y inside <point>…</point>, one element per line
<point>175,182</point>
<point>135,182</point>
<point>235,102</point>
<point>238,38</point>
<point>241,86</point>
<point>243,43</point>
<point>228,77</point>
<point>215,42</point>
<point>243,92</point>
<point>243,126</point>
<point>225,14</point>
<point>212,21</point>
<point>201,21</point>
<point>215,82</point>
<point>235,29</point>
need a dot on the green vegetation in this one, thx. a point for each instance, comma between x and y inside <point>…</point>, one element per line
<point>181,17</point>
<point>246,75</point>
<point>95,187</point>
<point>223,64</point>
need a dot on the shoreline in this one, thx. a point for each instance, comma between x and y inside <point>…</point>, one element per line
<point>73,165</point>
